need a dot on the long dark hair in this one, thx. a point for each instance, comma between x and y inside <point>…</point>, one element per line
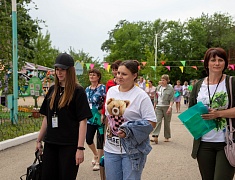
<point>70,85</point>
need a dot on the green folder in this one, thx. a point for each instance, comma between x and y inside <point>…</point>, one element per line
<point>193,121</point>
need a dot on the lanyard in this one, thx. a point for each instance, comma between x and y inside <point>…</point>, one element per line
<point>210,99</point>
<point>57,99</point>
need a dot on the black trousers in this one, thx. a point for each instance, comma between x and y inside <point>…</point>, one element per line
<point>212,161</point>
<point>90,134</point>
<point>59,162</point>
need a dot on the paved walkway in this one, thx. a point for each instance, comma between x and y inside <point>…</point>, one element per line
<point>167,160</point>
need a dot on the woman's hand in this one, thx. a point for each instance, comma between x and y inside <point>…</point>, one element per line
<point>79,156</point>
<point>121,134</point>
<point>169,110</point>
<point>39,147</point>
<point>213,114</point>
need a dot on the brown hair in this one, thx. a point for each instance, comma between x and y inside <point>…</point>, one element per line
<point>131,65</point>
<point>115,64</point>
<point>96,71</point>
<point>213,52</point>
<point>70,85</point>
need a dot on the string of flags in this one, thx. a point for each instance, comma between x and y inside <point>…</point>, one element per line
<point>107,66</point>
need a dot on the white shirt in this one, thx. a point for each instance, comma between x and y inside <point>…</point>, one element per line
<point>220,101</point>
<point>139,108</point>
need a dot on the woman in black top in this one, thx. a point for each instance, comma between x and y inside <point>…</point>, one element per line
<point>66,110</point>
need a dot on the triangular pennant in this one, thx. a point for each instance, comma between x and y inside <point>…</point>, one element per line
<point>231,66</point>
<point>195,67</point>
<point>82,63</point>
<point>92,66</point>
<point>181,68</point>
<point>88,65</point>
<point>105,65</point>
<point>183,63</point>
<point>108,68</point>
<point>202,60</point>
<point>144,63</point>
<point>153,67</point>
<point>163,62</point>
<point>168,67</point>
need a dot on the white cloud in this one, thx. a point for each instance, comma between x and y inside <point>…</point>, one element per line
<point>84,24</point>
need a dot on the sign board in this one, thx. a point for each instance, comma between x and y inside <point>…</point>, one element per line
<point>78,68</point>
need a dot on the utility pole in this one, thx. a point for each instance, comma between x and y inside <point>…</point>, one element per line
<point>155,46</point>
<point>14,98</point>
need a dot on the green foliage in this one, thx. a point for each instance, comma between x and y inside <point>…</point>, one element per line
<point>177,41</point>
<point>24,126</point>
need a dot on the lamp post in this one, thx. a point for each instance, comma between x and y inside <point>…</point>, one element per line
<point>14,110</point>
<point>155,46</point>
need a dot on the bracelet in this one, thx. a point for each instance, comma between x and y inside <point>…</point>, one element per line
<point>80,148</point>
<point>39,141</point>
<point>170,106</point>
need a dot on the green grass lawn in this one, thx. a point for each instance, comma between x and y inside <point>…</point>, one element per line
<point>26,124</point>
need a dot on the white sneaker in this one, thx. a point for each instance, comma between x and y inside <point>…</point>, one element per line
<point>96,167</point>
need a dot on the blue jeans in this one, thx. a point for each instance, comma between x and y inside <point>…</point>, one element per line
<point>119,167</point>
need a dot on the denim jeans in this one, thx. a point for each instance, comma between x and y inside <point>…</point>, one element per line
<point>119,167</point>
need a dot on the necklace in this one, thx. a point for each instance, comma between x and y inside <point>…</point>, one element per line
<point>210,99</point>
<point>61,91</point>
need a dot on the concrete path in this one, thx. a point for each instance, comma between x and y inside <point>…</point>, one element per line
<point>167,160</point>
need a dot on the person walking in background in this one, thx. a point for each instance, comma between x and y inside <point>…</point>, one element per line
<point>185,92</point>
<point>163,104</point>
<point>126,108</point>
<point>66,110</point>
<point>113,82</point>
<point>190,87</point>
<point>150,90</point>
<point>177,96</point>
<point>142,83</point>
<point>214,92</point>
<point>95,95</point>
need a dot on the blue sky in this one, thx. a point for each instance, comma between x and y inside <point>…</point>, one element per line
<point>84,24</point>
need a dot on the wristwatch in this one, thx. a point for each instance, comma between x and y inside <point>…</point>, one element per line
<point>80,148</point>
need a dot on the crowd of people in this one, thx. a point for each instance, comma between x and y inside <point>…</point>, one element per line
<point>116,113</point>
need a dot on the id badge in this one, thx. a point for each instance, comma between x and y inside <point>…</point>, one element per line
<point>90,104</point>
<point>54,122</point>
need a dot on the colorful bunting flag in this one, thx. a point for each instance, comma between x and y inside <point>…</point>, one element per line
<point>144,63</point>
<point>231,66</point>
<point>92,66</point>
<point>181,68</point>
<point>108,68</point>
<point>183,63</point>
<point>105,65</point>
<point>154,68</point>
<point>168,67</point>
<point>163,62</point>
<point>195,67</point>
<point>88,65</point>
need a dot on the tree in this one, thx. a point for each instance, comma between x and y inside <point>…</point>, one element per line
<point>43,53</point>
<point>27,30</point>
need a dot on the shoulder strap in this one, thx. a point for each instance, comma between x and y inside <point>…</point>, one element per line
<point>231,99</point>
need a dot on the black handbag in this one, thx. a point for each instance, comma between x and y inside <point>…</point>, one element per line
<point>34,171</point>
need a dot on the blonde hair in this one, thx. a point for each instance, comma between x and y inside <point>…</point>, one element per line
<point>166,77</point>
